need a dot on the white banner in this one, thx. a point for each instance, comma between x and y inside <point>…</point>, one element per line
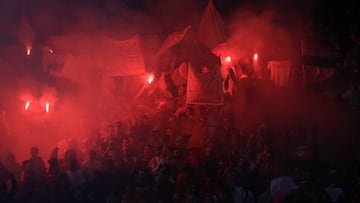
<point>280,72</point>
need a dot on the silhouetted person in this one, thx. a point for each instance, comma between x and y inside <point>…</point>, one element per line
<point>33,173</point>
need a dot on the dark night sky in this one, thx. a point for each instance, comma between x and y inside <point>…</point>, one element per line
<point>332,14</point>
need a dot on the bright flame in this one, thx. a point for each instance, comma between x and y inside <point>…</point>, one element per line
<point>27,105</point>
<point>150,79</point>
<point>228,59</point>
<point>256,56</point>
<point>28,51</point>
<point>47,107</point>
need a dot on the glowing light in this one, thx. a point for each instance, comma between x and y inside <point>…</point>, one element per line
<point>256,56</point>
<point>27,105</point>
<point>51,51</point>
<point>150,79</point>
<point>228,59</point>
<point>28,51</point>
<point>47,107</point>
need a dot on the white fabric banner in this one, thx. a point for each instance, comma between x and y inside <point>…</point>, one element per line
<point>280,72</point>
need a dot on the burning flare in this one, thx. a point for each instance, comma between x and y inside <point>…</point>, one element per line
<point>27,105</point>
<point>28,51</point>
<point>47,107</point>
<point>256,56</point>
<point>228,59</point>
<point>150,79</point>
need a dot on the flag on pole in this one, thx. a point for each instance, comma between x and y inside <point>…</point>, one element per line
<point>164,57</point>
<point>211,30</point>
<point>173,39</point>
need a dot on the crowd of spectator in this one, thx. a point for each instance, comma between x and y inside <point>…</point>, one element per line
<point>148,164</point>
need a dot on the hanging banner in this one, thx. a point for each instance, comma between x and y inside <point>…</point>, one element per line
<point>122,58</point>
<point>280,72</point>
<point>204,88</point>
